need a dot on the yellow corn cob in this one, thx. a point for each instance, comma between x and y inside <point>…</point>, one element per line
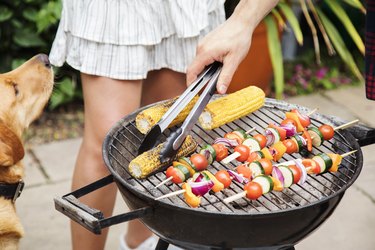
<point>149,162</point>
<point>231,107</point>
<point>149,117</point>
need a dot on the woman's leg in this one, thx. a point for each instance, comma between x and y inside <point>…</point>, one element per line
<point>159,85</point>
<point>162,84</point>
<point>106,101</point>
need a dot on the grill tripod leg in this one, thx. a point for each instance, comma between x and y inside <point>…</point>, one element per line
<point>162,245</point>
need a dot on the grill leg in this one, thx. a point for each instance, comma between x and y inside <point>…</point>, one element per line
<point>162,245</point>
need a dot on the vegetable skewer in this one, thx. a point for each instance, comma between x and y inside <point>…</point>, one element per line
<point>245,193</point>
<point>316,136</point>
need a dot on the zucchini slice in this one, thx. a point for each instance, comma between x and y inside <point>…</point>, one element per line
<point>265,182</point>
<point>288,176</point>
<point>256,169</point>
<point>316,136</point>
<point>252,143</point>
<point>324,161</point>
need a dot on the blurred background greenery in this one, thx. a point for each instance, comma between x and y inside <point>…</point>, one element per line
<point>28,27</point>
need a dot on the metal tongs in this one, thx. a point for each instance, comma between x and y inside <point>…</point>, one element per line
<point>174,141</point>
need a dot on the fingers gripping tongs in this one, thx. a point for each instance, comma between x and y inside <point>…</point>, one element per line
<point>174,141</point>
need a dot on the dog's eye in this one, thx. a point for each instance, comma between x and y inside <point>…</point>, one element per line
<point>16,90</point>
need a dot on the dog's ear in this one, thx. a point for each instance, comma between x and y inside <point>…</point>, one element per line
<point>11,148</point>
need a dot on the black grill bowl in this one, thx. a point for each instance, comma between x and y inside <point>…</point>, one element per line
<point>191,229</point>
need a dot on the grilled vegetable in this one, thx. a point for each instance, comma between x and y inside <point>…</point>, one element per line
<point>252,143</point>
<point>253,190</point>
<point>199,161</point>
<point>336,160</point>
<point>244,170</point>
<point>149,162</point>
<point>224,177</point>
<point>244,152</point>
<point>209,152</point>
<point>327,131</point>
<point>220,150</point>
<point>316,135</point>
<point>147,118</point>
<point>190,198</point>
<point>288,176</point>
<point>218,186</point>
<point>231,107</point>
<point>324,161</point>
<point>265,182</point>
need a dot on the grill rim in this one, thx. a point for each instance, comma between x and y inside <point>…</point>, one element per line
<point>269,103</point>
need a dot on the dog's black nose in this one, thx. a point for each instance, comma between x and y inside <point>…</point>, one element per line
<point>44,59</point>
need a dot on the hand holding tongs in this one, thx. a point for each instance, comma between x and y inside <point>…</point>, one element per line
<point>208,77</point>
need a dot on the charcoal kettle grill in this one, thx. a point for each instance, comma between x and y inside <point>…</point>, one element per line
<point>277,220</point>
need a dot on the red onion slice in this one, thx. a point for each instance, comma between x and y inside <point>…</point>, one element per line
<point>202,187</point>
<point>226,142</point>
<point>270,137</point>
<point>290,129</point>
<point>238,177</point>
<point>276,173</point>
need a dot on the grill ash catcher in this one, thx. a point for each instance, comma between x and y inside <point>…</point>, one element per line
<point>277,220</point>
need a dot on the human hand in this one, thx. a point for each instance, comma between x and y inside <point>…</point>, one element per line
<point>229,43</point>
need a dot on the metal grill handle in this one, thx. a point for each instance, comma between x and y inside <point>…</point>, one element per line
<point>91,218</point>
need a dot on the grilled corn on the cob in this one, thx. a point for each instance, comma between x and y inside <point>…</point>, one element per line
<point>149,162</point>
<point>149,117</point>
<point>231,107</point>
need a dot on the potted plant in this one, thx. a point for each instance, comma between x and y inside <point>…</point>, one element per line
<point>318,21</point>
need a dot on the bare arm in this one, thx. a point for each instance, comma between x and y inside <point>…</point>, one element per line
<point>230,42</point>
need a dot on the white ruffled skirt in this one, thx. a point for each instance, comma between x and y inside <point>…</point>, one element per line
<point>125,39</point>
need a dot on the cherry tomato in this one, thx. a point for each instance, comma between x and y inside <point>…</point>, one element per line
<point>261,139</point>
<point>254,156</point>
<point>291,146</point>
<point>282,132</point>
<point>297,173</point>
<point>244,152</point>
<point>267,165</point>
<point>174,172</point>
<point>221,151</point>
<point>289,121</point>
<point>244,170</point>
<point>312,167</point>
<point>253,190</point>
<point>327,132</point>
<point>200,161</point>
<point>304,119</point>
<point>224,177</point>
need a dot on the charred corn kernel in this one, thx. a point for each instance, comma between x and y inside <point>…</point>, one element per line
<point>231,107</point>
<point>149,117</point>
<point>149,162</point>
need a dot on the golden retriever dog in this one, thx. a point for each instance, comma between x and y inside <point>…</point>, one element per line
<point>23,94</point>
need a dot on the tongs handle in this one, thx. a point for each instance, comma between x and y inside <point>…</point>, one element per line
<point>152,136</point>
<point>175,140</point>
<point>197,109</point>
<point>187,96</point>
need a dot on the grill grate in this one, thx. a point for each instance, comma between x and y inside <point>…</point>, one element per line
<point>126,140</point>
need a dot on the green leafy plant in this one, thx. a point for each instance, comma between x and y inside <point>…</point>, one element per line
<point>317,19</point>
<point>28,27</point>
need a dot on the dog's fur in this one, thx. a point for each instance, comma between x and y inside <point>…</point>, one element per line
<point>23,95</point>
